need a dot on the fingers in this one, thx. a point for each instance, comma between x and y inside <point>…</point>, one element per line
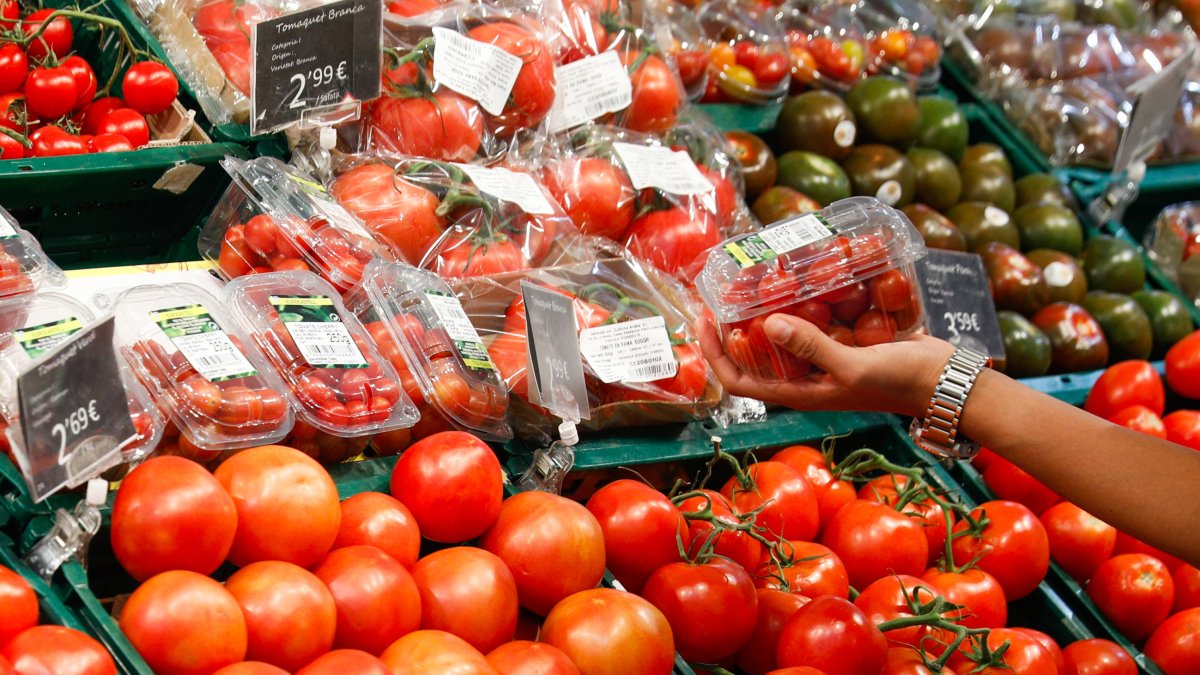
<point>731,377</point>
<point>806,341</point>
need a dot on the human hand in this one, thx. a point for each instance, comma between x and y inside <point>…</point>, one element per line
<point>897,377</point>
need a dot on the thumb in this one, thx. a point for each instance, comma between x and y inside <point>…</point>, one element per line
<point>805,341</point>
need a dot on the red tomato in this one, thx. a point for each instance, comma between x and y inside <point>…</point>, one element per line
<point>434,651</point>
<point>586,625</point>
<point>1125,384</point>
<point>674,240</point>
<point>739,547</point>
<point>110,143</point>
<point>97,110</point>
<point>1026,655</point>
<point>18,605</point>
<point>712,607</point>
<point>472,254</point>
<point>814,571</point>
<point>14,66</point>
<point>928,513</point>
<point>1128,544</point>
<point>1097,657</point>
<point>452,483</point>
<point>1183,427</point>
<point>553,546</point>
<point>344,661</point>
<point>183,623</point>
<point>50,92</point>
<point>1134,591</point>
<point>1187,587</point>
<point>10,148</point>
<point>376,519</point>
<point>1048,642</point>
<point>85,80</point>
<point>1079,541</point>
<point>1013,547</point>
<point>128,123</point>
<point>530,658</point>
<point>10,11</point>
<point>658,95</point>
<point>149,87</point>
<point>377,599</point>
<point>1183,366</point>
<point>55,650</point>
<point>775,607</point>
<point>1140,418</point>
<point>52,141</point>
<point>595,193</point>
<point>833,635</point>
<point>57,37</point>
<point>1012,483</point>
<point>468,592</point>
<point>1175,645</point>
<point>641,527</point>
<point>290,614</point>
<point>251,668</point>
<point>171,514</point>
<point>532,94</point>
<point>874,540</point>
<point>404,215</point>
<point>810,462</point>
<point>785,503</point>
<point>977,591</point>
<point>888,598</point>
<point>445,127</point>
<point>906,661</point>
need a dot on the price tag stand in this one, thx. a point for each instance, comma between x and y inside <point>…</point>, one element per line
<point>954,288</point>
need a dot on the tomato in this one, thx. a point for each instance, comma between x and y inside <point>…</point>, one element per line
<point>376,519</point>
<point>57,37</point>
<point>888,598</point>
<point>377,599</point>
<point>468,592</point>
<point>183,623</point>
<point>775,607</point>
<point>452,483</point>
<point>810,462</point>
<point>1187,587</point>
<point>691,64</point>
<point>833,635</point>
<point>1125,384</point>
<point>149,87</point>
<point>1183,366</point>
<point>874,540</point>
<point>586,625</point>
<point>523,657</point>
<point>14,66</point>
<point>234,60</point>
<point>1026,655</point>
<point>18,604</point>
<point>928,514</point>
<point>532,93</point>
<point>434,651</point>
<point>640,526</point>
<point>109,143</point>
<point>1134,591</point>
<point>977,591</point>
<point>1013,547</point>
<point>1012,483</point>
<point>225,21</point>
<point>785,503</point>
<point>412,7</point>
<point>1140,418</point>
<point>171,514</point>
<point>10,148</point>
<point>739,547</point>
<point>85,80</point>
<point>658,96</point>
<point>1128,544</point>
<point>50,92</point>
<point>446,126</point>
<point>553,546</point>
<point>128,123</point>
<point>10,11</point>
<point>1183,427</point>
<point>343,661</point>
<point>1175,645</point>
<point>712,607</point>
<point>404,215</point>
<point>97,110</point>
<point>251,668</point>
<point>287,506</point>
<point>290,614</point>
<point>1097,657</point>
<point>595,193</point>
<point>906,661</point>
<point>1051,646</point>
<point>814,571</point>
<point>471,254</point>
<point>56,650</point>
<point>1079,542</point>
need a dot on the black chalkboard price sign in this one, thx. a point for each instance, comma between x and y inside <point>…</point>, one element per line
<point>313,59</point>
<point>958,303</point>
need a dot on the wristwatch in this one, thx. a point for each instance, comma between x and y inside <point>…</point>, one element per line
<point>937,433</point>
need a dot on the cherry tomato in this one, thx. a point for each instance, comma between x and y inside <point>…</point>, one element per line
<point>57,37</point>
<point>126,122</point>
<point>1175,645</point>
<point>57,650</point>
<point>1079,542</point>
<point>834,636</point>
<point>14,66</point>
<point>376,519</point>
<point>343,661</point>
<point>586,625</point>
<point>290,614</point>
<point>874,540</point>
<point>771,69</point>
<point>1013,547</point>
<point>1012,483</point>
<point>787,502</point>
<point>1097,657</point>
<point>712,607</point>
<point>452,483</point>
<point>50,92</point>
<point>1183,366</point>
<point>18,605</point>
<point>10,11</point>
<point>1134,591</point>
<point>640,526</point>
<point>149,87</point>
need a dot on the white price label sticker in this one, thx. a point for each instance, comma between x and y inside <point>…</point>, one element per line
<point>589,88</point>
<point>319,334</point>
<point>477,70</point>
<point>511,186</point>
<point>7,231</point>
<point>663,168</point>
<point>791,235</point>
<point>630,351</point>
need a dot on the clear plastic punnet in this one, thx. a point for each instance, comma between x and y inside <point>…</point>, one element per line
<point>747,51</point>
<point>23,266</point>
<point>903,41</point>
<point>206,374</point>
<point>273,218</point>
<point>417,311</point>
<point>827,44</point>
<point>1173,241</point>
<point>849,269</point>
<point>343,391</point>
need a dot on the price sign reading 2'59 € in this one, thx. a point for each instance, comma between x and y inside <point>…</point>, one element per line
<point>309,60</point>
<point>954,288</point>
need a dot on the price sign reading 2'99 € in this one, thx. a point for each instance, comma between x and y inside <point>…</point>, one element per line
<point>74,414</point>
<point>309,60</point>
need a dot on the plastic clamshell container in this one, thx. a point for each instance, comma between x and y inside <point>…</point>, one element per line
<point>209,378</point>
<point>817,35</point>
<point>52,318</point>
<point>727,23</point>
<point>1173,242</point>
<point>418,310</point>
<point>272,218</point>
<point>24,268</point>
<point>335,377</point>
<point>917,27</point>
<point>848,268</point>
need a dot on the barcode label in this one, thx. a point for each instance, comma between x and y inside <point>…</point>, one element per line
<point>774,241</point>
<point>203,342</point>
<point>477,70</point>
<point>630,351</point>
<point>663,168</point>
<point>589,88</point>
<point>318,331</point>
<point>460,329</point>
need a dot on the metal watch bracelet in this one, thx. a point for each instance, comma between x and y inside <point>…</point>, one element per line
<point>937,433</point>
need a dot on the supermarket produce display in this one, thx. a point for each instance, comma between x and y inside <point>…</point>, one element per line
<point>433,380</point>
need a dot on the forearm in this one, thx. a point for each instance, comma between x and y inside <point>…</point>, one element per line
<point>1140,484</point>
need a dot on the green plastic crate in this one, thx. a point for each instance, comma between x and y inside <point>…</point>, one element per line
<point>757,119</point>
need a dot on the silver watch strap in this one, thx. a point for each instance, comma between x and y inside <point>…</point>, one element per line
<point>937,433</point>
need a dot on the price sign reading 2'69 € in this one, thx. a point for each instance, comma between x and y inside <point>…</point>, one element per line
<point>314,59</point>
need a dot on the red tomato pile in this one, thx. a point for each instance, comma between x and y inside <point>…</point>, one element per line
<point>261,245</point>
<point>740,69</point>
<point>905,50</point>
<point>48,94</point>
<point>26,647</point>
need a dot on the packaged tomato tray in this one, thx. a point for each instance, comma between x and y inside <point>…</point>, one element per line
<point>415,318</point>
<point>50,319</point>
<point>747,52</point>
<point>827,44</point>
<point>272,218</point>
<point>848,268</point>
<point>24,268</point>
<point>903,41</point>
<point>343,391</point>
<point>209,378</point>
<point>1173,242</point>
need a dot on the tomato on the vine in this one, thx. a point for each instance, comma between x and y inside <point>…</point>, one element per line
<point>834,636</point>
<point>57,37</point>
<point>874,540</point>
<point>14,67</point>
<point>50,92</point>
<point>928,513</point>
<point>813,570</point>
<point>658,95</point>
<point>810,462</point>
<point>532,93</point>
<point>444,126</point>
<point>1183,366</point>
<point>52,141</point>
<point>126,122</point>
<point>595,193</point>
<point>775,607</point>
<point>712,607</point>
<point>1014,484</point>
<point>738,546</point>
<point>641,527</point>
<point>404,215</point>
<point>1025,655</point>
<point>980,595</point>
<point>1097,657</point>
<point>785,503</point>
<point>888,598</point>
<point>149,87</point>
<point>1012,547</point>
